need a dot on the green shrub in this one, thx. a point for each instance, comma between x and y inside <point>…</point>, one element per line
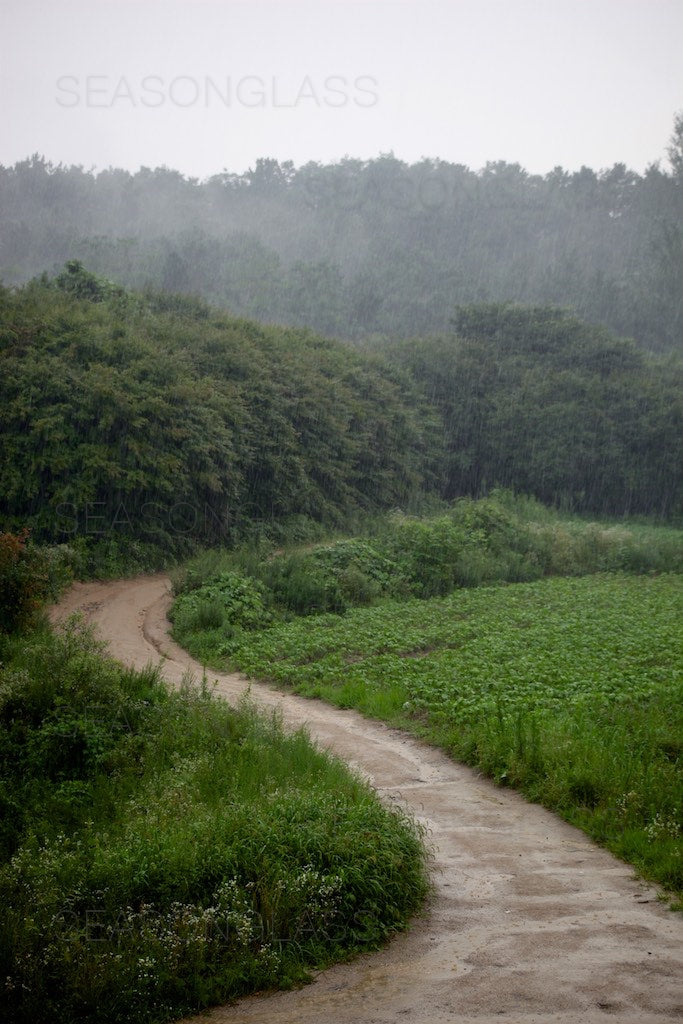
<point>29,575</point>
<point>162,851</point>
<point>303,587</point>
<point>229,601</point>
<point>358,587</point>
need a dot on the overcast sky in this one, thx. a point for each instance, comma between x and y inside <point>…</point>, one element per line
<point>208,85</point>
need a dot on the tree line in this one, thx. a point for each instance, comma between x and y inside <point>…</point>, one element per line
<point>368,249</point>
<point>158,417</point>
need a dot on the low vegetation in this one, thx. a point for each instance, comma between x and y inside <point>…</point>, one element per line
<point>502,538</point>
<point>559,674</point>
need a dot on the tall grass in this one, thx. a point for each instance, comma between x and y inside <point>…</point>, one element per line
<point>162,852</point>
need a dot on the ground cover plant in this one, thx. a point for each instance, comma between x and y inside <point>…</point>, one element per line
<point>568,687</point>
<point>161,852</point>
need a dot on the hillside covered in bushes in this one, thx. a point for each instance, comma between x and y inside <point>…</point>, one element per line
<point>160,419</point>
<point>141,422</point>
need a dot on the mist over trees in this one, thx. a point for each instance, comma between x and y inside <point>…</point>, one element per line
<point>367,249</point>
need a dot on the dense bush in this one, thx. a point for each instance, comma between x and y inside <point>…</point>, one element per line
<point>132,427</point>
<point>230,601</point>
<point>162,851</point>
<point>28,575</point>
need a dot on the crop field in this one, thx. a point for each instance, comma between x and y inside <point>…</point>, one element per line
<point>569,689</point>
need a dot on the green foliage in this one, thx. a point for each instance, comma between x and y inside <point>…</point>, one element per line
<point>162,852</point>
<point>302,587</point>
<point>569,689</point>
<point>135,429</point>
<point>331,577</point>
<point>77,281</point>
<point>229,601</point>
<point>563,688</point>
<point>502,538</point>
<point>28,576</point>
<point>366,249</point>
<point>534,399</point>
<point>505,538</point>
<point>138,432</point>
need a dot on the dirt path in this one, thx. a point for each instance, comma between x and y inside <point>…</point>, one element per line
<point>530,922</point>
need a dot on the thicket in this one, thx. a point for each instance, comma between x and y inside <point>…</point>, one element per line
<point>137,427</point>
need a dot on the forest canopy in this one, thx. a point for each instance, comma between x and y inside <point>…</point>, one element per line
<point>366,249</point>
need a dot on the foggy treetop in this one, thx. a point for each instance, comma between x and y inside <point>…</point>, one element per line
<point>367,249</point>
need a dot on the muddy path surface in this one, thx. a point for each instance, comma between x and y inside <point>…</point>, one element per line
<point>529,921</point>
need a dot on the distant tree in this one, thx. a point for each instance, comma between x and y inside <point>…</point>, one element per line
<point>675,149</point>
<point>82,284</point>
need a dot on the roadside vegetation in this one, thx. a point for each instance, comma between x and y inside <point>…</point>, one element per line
<point>543,651</point>
<point>160,851</point>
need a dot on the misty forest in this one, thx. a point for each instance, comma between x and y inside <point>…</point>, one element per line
<point>439,332</point>
<point>406,439</point>
<point>365,250</point>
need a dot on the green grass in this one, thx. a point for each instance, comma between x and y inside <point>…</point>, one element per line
<point>569,689</point>
<point>161,852</point>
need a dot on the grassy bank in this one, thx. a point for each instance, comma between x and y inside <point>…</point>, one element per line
<point>162,852</point>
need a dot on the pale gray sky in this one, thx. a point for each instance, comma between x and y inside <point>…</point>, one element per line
<point>205,85</point>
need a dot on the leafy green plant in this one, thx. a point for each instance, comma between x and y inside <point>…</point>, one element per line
<point>229,600</point>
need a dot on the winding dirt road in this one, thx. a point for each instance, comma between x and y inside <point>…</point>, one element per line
<point>530,922</point>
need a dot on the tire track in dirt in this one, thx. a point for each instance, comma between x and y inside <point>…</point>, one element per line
<point>529,921</point>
